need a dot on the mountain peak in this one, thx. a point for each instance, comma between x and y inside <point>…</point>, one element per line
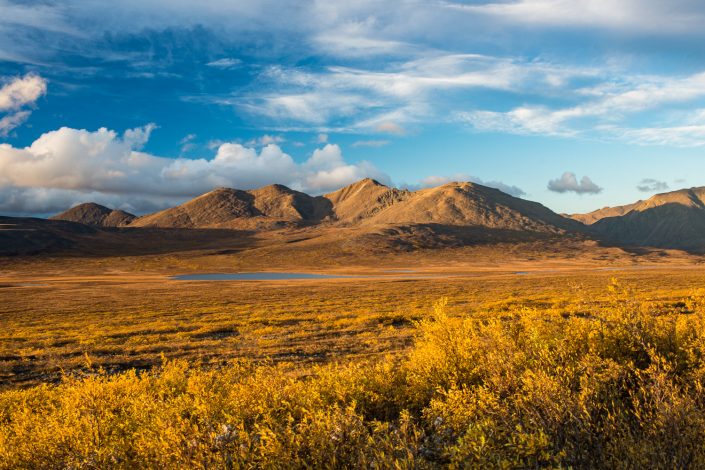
<point>91,213</point>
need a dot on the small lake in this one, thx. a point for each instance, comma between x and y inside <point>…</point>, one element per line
<point>261,276</point>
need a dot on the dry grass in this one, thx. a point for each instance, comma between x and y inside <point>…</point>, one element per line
<point>556,376</point>
<point>51,322</point>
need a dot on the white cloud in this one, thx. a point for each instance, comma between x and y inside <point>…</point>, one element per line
<point>21,92</point>
<point>312,107</point>
<point>432,181</point>
<point>266,140</point>
<point>691,135</point>
<point>648,185</point>
<point>605,105</point>
<point>403,92</point>
<point>326,170</point>
<point>389,127</point>
<point>74,164</point>
<point>370,143</point>
<point>11,121</point>
<point>651,16</point>
<point>357,39</point>
<point>524,120</point>
<point>18,93</point>
<point>322,138</point>
<point>225,63</point>
<point>568,182</point>
<point>186,142</point>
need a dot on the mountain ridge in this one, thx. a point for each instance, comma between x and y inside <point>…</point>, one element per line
<point>364,203</point>
<point>91,213</point>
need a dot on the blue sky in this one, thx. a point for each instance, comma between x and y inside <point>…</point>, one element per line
<point>576,104</point>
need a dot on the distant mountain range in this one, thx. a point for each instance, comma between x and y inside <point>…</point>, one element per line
<point>455,213</point>
<point>366,202</point>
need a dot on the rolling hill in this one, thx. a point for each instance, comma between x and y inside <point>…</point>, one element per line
<point>592,217</point>
<point>91,213</point>
<point>365,203</point>
<point>267,207</point>
<point>369,215</point>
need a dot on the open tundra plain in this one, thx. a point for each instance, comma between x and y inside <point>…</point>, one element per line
<point>489,333</point>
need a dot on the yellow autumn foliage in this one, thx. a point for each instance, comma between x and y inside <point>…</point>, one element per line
<point>610,385</point>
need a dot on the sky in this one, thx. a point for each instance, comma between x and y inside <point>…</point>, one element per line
<point>139,105</point>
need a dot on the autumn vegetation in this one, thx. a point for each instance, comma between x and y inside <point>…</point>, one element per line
<point>609,381</point>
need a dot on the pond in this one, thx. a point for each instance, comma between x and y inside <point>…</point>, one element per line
<point>257,276</point>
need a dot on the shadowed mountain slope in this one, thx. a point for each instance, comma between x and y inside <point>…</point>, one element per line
<point>91,213</point>
<point>668,220</point>
<point>592,217</point>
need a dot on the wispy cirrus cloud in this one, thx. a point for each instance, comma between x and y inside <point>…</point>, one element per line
<point>370,143</point>
<point>412,91</point>
<point>651,16</point>
<point>604,107</point>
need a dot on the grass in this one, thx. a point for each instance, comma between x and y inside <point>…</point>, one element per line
<point>608,380</point>
<point>125,322</point>
<point>105,364</point>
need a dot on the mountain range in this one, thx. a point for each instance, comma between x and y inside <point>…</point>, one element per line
<point>452,214</point>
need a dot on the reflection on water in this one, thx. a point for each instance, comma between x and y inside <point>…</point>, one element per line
<point>260,276</point>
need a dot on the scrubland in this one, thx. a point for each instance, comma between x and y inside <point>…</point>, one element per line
<point>581,369</point>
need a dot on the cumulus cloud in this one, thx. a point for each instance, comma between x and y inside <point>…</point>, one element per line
<point>76,165</point>
<point>432,181</point>
<point>16,94</point>
<point>568,182</point>
<point>648,185</point>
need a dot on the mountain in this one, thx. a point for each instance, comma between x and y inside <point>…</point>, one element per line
<point>471,205</point>
<point>94,214</point>
<point>270,206</point>
<point>364,217</point>
<point>278,201</point>
<point>592,217</point>
<point>363,200</point>
<point>669,220</point>
<point>365,203</point>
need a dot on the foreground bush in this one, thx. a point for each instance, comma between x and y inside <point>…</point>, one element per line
<point>617,386</point>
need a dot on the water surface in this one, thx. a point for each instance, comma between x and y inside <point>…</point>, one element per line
<point>258,276</point>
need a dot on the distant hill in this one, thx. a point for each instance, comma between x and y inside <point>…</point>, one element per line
<point>367,214</point>
<point>592,217</point>
<point>471,205</point>
<point>234,208</point>
<point>669,220</point>
<point>364,203</point>
<point>91,213</point>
